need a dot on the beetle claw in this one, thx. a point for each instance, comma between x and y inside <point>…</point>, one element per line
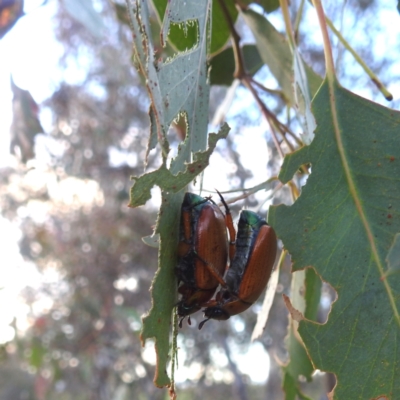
<point>202,323</point>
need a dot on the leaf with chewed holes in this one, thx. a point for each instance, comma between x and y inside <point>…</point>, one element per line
<point>343,225</point>
<point>178,88</point>
<point>166,180</point>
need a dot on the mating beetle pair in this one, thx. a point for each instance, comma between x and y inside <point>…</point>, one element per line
<point>203,256</point>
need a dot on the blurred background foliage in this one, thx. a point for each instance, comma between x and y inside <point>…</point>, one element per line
<point>68,196</point>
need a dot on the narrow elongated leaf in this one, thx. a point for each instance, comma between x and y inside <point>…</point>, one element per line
<point>178,85</point>
<point>303,97</point>
<point>157,323</point>
<point>343,224</point>
<point>220,32</point>
<point>275,52</point>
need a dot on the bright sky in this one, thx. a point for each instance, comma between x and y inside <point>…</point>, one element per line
<point>31,54</point>
<point>30,51</point>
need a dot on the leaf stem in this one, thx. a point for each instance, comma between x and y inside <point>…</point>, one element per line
<point>298,20</point>
<point>288,24</point>
<point>330,67</point>
<point>240,69</point>
<point>369,72</point>
<point>241,74</point>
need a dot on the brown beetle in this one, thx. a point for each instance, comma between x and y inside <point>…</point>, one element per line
<point>202,252</point>
<point>249,271</point>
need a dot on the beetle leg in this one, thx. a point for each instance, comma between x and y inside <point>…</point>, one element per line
<point>231,228</point>
<point>181,321</point>
<point>203,322</point>
<point>213,271</point>
<point>210,303</point>
<point>187,232</point>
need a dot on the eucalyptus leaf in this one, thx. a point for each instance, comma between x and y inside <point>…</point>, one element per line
<point>276,54</point>
<point>166,180</point>
<point>223,64</point>
<point>343,225</point>
<point>157,323</point>
<point>178,85</point>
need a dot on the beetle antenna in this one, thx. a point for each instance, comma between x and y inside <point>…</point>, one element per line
<point>231,229</point>
<point>227,210</point>
<point>181,321</point>
<point>202,323</point>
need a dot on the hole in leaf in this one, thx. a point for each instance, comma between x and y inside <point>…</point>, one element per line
<point>328,297</point>
<point>177,134</point>
<point>319,297</point>
<point>183,37</point>
<point>180,124</point>
<point>330,381</point>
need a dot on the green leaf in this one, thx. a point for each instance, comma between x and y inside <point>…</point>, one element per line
<point>220,32</point>
<point>303,97</point>
<point>267,5</point>
<point>223,64</point>
<point>178,85</point>
<point>291,388</point>
<point>184,36</point>
<point>160,6</point>
<point>276,54</point>
<point>313,294</point>
<point>157,324</point>
<point>167,181</point>
<point>343,225</point>
<point>163,289</point>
